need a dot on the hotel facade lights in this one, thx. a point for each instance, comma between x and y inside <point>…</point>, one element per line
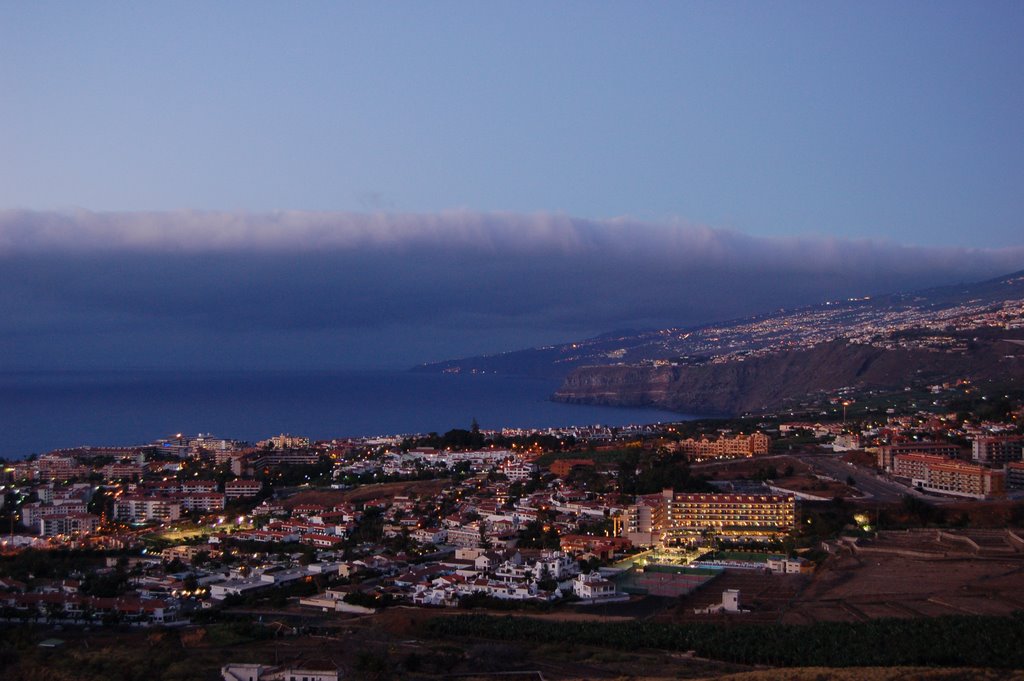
<point>676,518</point>
<point>939,474</point>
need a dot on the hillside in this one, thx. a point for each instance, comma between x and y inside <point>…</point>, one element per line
<point>997,302</point>
<point>771,381</point>
<point>764,362</point>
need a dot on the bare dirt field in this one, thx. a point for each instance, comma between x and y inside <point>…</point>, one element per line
<point>901,574</point>
<point>765,596</point>
<point>932,577</point>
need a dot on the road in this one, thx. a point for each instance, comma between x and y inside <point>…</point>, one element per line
<point>878,489</point>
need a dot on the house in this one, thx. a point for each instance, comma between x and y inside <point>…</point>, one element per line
<point>593,585</point>
<point>430,535</point>
<point>784,565</point>
<point>487,561</point>
<point>730,604</point>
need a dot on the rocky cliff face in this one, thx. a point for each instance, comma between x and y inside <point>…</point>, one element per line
<point>769,382</point>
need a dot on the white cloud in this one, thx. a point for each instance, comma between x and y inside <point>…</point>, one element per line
<point>177,282</point>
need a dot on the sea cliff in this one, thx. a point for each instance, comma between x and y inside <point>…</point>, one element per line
<point>774,381</point>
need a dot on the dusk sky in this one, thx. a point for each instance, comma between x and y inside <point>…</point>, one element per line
<point>253,185</point>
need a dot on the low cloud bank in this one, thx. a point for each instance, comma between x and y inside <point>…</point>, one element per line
<point>340,289</point>
<point>80,231</point>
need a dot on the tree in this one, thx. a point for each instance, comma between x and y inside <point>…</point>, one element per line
<point>175,565</point>
<point>54,611</point>
<point>587,477</point>
<point>551,539</point>
<point>101,504</point>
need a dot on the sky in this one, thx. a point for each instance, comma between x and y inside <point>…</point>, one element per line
<point>275,185</point>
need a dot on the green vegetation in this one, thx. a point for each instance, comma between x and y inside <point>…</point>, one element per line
<point>316,475</point>
<point>459,439</point>
<point>369,599</point>
<point>988,402</point>
<point>609,456</point>
<point>51,564</point>
<point>647,472</point>
<point>534,536</point>
<point>277,596</point>
<point>155,656</point>
<point>941,641</point>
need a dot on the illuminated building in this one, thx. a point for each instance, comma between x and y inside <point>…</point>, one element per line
<point>671,518</point>
<point>949,476</point>
<point>887,453</point>
<point>998,450</point>
<point>238,489</point>
<point>71,523</point>
<point>142,509</point>
<point>726,447</point>
<point>1015,474</point>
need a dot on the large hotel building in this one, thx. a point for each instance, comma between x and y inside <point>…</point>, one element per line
<point>726,447</point>
<point>676,518</point>
<point>888,453</point>
<point>949,476</point>
<point>997,451</point>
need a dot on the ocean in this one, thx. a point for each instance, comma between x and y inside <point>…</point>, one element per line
<point>44,410</point>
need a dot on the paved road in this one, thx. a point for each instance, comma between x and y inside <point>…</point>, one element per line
<point>880,490</point>
<point>730,462</point>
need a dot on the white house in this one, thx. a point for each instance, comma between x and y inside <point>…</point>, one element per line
<point>589,587</point>
<point>730,604</point>
<point>783,565</point>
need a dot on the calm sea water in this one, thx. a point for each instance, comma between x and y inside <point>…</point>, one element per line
<point>40,411</point>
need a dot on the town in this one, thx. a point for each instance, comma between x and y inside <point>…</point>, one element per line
<point>183,528</point>
<point>929,320</point>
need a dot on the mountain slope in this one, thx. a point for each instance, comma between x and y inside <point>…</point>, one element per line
<point>768,361</point>
<point>777,380</point>
<point>962,306</point>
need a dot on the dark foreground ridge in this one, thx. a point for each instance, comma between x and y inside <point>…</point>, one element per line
<point>953,641</point>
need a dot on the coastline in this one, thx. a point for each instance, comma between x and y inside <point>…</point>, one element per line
<point>53,409</point>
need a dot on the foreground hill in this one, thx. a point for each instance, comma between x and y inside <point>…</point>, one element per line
<point>872,674</point>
